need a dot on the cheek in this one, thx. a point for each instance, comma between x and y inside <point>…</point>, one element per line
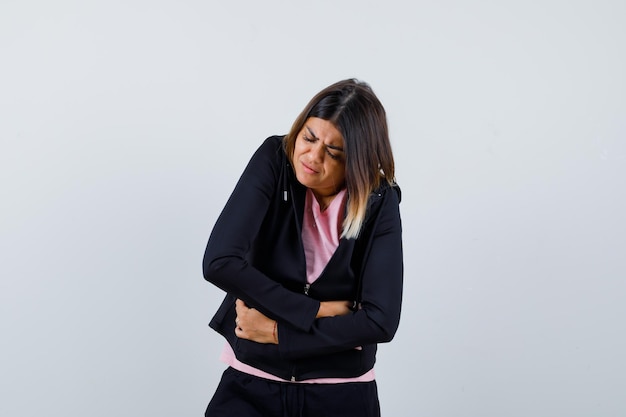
<point>298,150</point>
<point>338,171</point>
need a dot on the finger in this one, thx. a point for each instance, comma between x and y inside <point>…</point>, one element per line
<point>239,307</point>
<point>242,303</point>
<point>239,332</point>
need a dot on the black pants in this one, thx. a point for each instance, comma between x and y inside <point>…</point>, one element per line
<point>241,395</point>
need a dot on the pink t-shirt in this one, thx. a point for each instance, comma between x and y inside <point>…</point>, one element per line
<point>321,232</point>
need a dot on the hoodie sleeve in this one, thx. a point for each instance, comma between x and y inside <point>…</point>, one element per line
<point>224,262</point>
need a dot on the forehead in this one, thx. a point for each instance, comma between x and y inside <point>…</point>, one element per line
<point>323,130</point>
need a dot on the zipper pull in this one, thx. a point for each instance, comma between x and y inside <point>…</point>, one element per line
<point>306,289</point>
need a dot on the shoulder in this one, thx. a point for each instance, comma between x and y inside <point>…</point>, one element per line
<point>383,209</point>
<point>385,192</point>
<point>270,153</point>
<point>272,145</point>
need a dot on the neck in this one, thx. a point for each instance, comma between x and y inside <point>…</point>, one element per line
<point>324,200</point>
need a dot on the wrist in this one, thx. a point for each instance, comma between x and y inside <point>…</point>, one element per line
<point>321,310</point>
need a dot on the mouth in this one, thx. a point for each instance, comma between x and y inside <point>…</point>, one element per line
<point>308,169</point>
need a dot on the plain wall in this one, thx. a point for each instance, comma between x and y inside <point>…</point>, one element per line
<point>124,126</point>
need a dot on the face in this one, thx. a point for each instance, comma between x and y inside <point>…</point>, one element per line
<point>319,159</point>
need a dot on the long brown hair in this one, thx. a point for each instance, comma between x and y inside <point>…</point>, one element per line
<point>353,108</point>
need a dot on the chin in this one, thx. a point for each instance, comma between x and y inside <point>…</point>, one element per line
<point>301,179</point>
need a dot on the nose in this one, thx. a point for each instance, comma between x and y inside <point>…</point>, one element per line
<point>316,153</point>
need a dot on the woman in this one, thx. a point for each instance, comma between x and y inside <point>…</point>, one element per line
<point>309,251</point>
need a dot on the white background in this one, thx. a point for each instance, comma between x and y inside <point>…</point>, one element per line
<point>125,124</point>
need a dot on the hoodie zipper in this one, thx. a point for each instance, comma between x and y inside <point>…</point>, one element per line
<point>285,199</point>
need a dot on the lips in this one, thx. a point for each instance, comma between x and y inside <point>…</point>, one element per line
<point>308,169</point>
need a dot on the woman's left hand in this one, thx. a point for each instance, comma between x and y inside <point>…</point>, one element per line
<point>253,325</point>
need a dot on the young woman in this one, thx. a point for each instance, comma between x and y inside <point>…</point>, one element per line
<point>309,251</point>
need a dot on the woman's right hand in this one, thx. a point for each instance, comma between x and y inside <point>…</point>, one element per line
<point>333,308</point>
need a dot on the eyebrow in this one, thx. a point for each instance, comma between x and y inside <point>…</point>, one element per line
<point>334,147</point>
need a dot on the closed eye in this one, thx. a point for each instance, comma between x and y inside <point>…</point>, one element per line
<point>332,155</point>
<point>313,139</point>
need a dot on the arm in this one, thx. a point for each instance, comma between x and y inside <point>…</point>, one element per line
<point>337,327</point>
<point>378,318</point>
<point>225,262</point>
<point>253,325</point>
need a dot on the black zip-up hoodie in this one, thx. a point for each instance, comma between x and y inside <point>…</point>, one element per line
<point>255,253</point>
